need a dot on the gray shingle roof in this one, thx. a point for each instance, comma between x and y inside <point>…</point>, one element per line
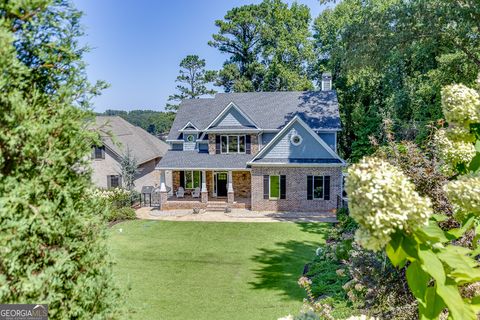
<point>195,160</point>
<point>291,161</point>
<point>269,110</point>
<point>142,144</point>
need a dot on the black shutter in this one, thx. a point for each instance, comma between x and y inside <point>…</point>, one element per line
<point>217,144</point>
<point>326,191</point>
<point>309,187</point>
<point>182,179</point>
<point>266,181</point>
<point>248,148</point>
<point>283,187</point>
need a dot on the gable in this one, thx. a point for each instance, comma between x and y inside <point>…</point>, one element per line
<point>232,117</point>
<point>309,148</point>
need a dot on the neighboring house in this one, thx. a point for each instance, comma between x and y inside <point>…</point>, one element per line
<point>118,136</point>
<point>260,150</point>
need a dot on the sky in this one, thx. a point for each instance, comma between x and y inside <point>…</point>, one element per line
<point>138,45</point>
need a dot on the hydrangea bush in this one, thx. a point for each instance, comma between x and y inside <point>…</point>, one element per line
<point>393,217</point>
<point>387,201</point>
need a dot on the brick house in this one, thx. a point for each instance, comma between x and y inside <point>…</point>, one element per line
<point>260,150</point>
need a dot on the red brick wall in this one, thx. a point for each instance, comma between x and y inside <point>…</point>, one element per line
<point>296,193</point>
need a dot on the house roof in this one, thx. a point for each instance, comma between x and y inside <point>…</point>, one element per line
<point>269,110</point>
<point>195,160</point>
<point>118,134</point>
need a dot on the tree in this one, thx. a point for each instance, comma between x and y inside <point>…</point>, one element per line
<point>390,59</point>
<point>154,122</point>
<point>129,167</point>
<point>53,234</point>
<point>269,47</point>
<point>193,79</point>
<point>239,36</point>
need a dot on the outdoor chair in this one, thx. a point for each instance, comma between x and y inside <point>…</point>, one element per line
<point>196,193</point>
<point>180,192</point>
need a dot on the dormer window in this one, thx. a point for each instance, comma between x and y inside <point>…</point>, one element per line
<point>233,144</point>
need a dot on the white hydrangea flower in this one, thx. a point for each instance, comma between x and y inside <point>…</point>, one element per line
<point>454,147</point>
<point>383,200</point>
<point>461,105</point>
<point>464,194</point>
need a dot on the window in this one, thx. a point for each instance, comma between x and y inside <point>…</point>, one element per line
<point>190,138</point>
<point>193,179</point>
<point>274,192</point>
<point>274,187</point>
<point>296,140</point>
<point>98,152</point>
<point>113,181</point>
<point>233,144</point>
<point>318,187</point>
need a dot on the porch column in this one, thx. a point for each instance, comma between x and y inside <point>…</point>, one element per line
<point>163,191</point>
<point>204,191</point>
<point>230,188</point>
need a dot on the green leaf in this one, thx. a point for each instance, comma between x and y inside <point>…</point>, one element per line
<point>397,257</point>
<point>434,305</point>
<point>458,232</point>
<point>475,303</point>
<point>475,163</point>
<point>410,246</point>
<point>432,232</point>
<point>463,268</point>
<point>395,253</point>
<point>459,310</point>
<point>432,264</point>
<point>417,280</point>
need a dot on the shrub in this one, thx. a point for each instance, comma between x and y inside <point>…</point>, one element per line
<point>118,214</point>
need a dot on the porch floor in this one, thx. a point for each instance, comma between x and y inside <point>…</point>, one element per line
<point>238,202</point>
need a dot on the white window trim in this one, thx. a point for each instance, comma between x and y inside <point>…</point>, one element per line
<point>238,143</point>
<point>269,187</point>
<point>193,180</point>
<point>313,188</point>
<point>190,135</point>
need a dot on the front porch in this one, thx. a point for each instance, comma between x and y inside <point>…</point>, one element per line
<point>206,189</point>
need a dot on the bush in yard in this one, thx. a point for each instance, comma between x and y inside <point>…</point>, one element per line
<point>395,218</point>
<point>118,214</point>
<point>52,240</point>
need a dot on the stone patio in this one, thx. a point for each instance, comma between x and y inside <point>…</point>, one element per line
<point>237,215</point>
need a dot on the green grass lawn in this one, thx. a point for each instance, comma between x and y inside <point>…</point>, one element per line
<point>202,270</point>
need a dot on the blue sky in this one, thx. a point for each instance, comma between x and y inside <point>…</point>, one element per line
<point>137,45</point>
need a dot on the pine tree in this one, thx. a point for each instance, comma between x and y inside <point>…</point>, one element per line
<point>193,79</point>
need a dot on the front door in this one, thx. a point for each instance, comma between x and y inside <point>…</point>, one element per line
<point>221,183</point>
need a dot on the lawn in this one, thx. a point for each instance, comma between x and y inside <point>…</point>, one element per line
<point>202,270</point>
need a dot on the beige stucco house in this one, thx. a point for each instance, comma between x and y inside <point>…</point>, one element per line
<point>118,135</point>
